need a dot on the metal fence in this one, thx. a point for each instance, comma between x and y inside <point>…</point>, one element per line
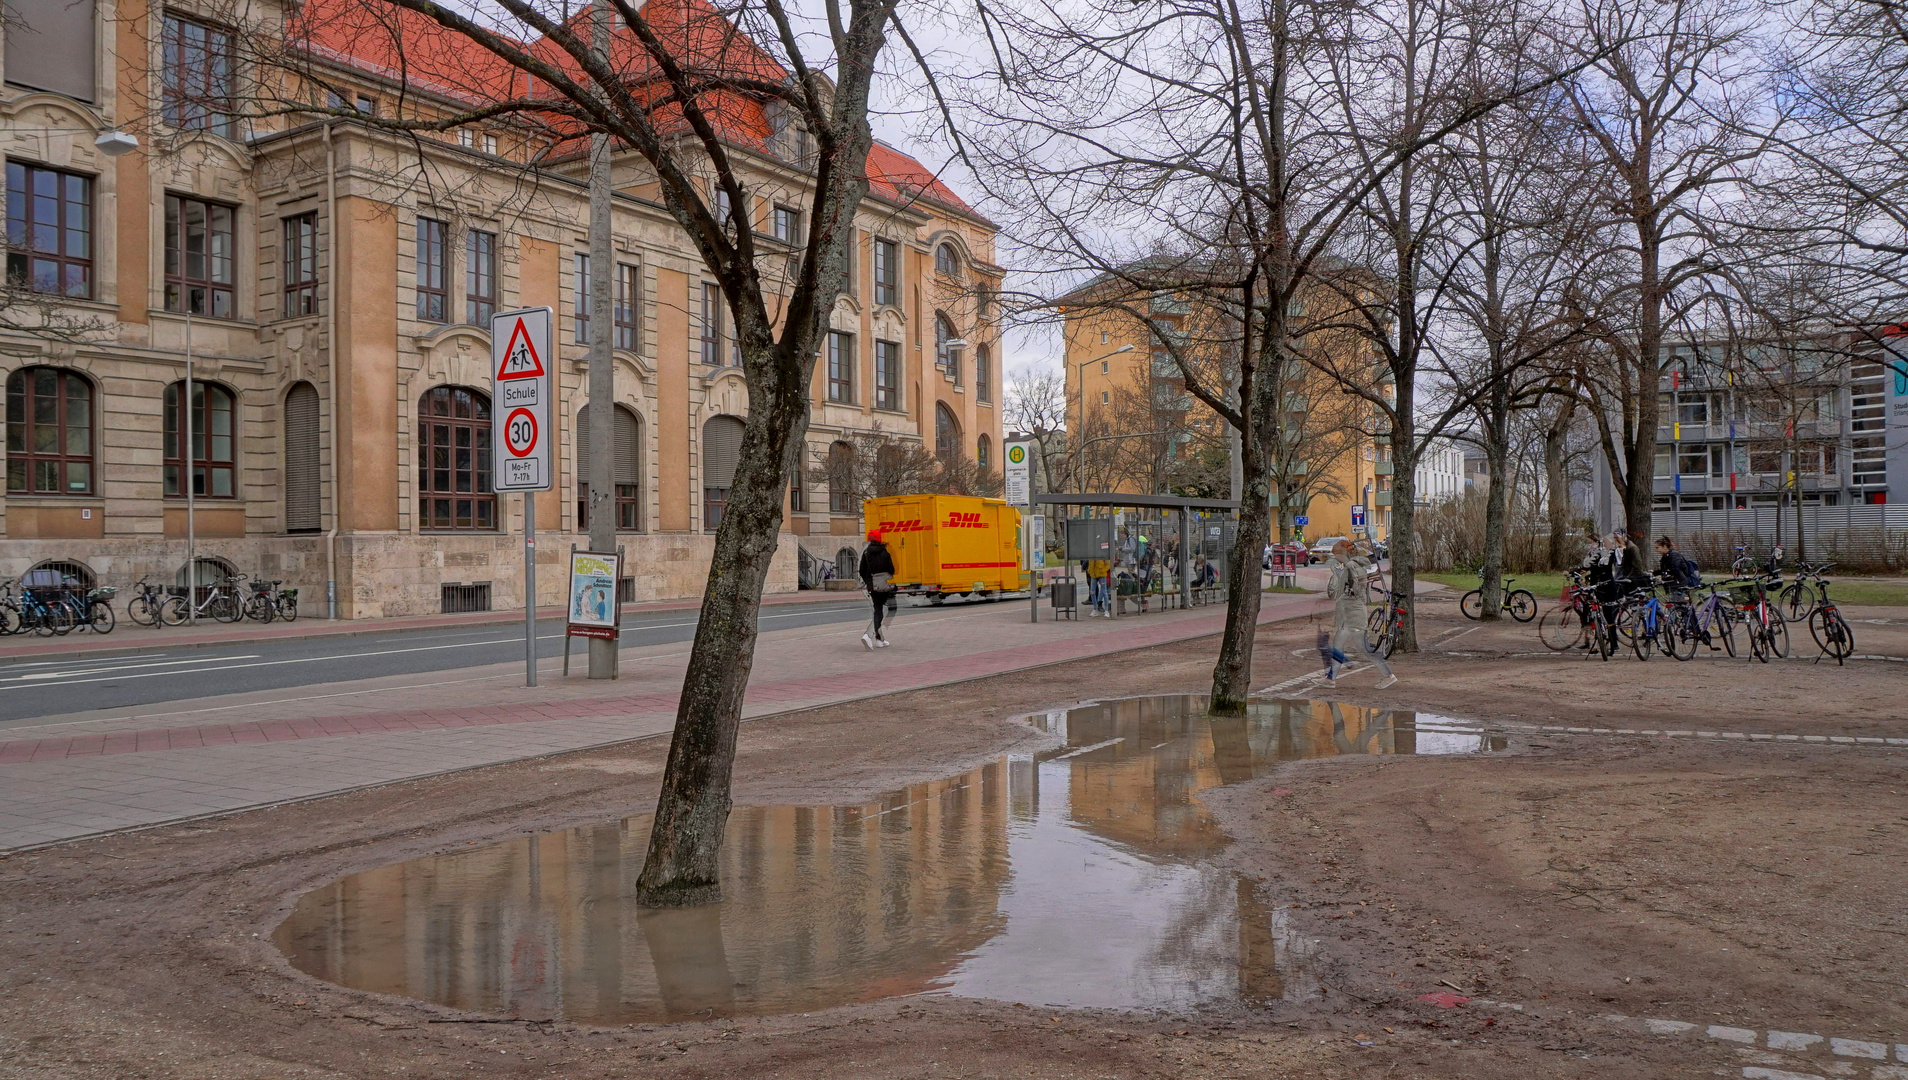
<point>1858,537</point>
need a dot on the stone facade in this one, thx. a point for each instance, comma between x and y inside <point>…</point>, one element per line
<point>362,346</point>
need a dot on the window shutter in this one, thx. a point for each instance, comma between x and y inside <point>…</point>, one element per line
<point>721,450</point>
<point>629,447</point>
<point>302,513</point>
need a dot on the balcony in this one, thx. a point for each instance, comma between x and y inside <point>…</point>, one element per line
<point>1382,468</point>
<point>1382,498</point>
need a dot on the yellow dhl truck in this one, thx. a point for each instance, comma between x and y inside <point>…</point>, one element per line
<point>949,545</point>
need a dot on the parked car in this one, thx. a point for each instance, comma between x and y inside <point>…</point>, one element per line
<point>1322,549</point>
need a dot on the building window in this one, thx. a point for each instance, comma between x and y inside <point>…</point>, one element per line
<point>629,290</point>
<point>201,264</point>
<point>888,375</point>
<point>887,273</point>
<point>303,513</point>
<point>453,460</point>
<point>49,432</point>
<point>626,467</point>
<point>581,309</point>
<point>983,451</point>
<point>198,77</point>
<point>841,367</point>
<point>983,375</point>
<point>841,479</point>
<point>432,292</point>
<point>947,260</point>
<point>480,277</point>
<point>49,230</point>
<point>301,265</point>
<point>797,497</point>
<point>947,348</point>
<point>724,209</point>
<point>721,451</point>
<point>490,144</point>
<point>213,453</point>
<point>711,326</point>
<point>947,431</point>
<point>787,224</point>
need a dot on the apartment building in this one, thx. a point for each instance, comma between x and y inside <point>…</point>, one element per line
<point>1122,382</point>
<point>330,282</point>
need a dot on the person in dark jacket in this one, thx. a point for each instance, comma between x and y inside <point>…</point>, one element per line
<point>877,575</point>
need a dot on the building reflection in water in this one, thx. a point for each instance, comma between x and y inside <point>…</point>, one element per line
<point>1079,877</point>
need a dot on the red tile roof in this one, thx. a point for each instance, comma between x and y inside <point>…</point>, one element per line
<point>394,43</point>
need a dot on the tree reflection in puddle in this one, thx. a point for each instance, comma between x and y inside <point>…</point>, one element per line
<point>1081,876</point>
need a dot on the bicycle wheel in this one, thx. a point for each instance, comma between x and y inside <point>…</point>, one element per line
<point>1472,604</point>
<point>1643,636</point>
<point>1778,634</point>
<point>1832,633</point>
<point>10,620</point>
<point>288,608</point>
<point>60,619</point>
<point>1624,624</point>
<point>1725,628</point>
<point>1375,627</point>
<point>259,606</point>
<point>1679,634</point>
<point>227,608</point>
<point>1603,633</point>
<point>1798,600</point>
<point>172,610</point>
<point>141,612</point>
<point>1521,605</point>
<point>1561,628</point>
<point>101,617</point>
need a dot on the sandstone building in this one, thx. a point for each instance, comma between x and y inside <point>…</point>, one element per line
<point>332,282</point>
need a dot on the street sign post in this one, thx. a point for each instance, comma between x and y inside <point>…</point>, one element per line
<point>1358,515</point>
<point>1301,521</point>
<point>1018,477</point>
<point>521,394</point>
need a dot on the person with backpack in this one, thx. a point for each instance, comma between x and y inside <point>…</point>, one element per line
<point>1675,567</point>
<point>877,574</point>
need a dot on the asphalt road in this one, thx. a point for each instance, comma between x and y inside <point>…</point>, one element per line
<point>42,687</point>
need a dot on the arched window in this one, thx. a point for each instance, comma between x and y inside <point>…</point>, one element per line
<point>211,572</point>
<point>626,467</point>
<point>983,374</point>
<point>302,485</point>
<point>983,451</point>
<point>947,431</point>
<point>947,347</point>
<point>847,564</point>
<point>841,479</point>
<point>60,571</point>
<point>947,260</point>
<point>49,432</point>
<point>214,450</point>
<point>453,460</point>
<point>721,452</point>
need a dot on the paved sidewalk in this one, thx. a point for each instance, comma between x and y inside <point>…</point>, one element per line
<point>66,777</point>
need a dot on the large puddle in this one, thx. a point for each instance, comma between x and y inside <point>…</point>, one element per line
<point>1079,877</point>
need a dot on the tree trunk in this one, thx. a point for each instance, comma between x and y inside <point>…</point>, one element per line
<point>1556,484</point>
<point>1496,501</point>
<point>1232,673</point>
<point>692,811</point>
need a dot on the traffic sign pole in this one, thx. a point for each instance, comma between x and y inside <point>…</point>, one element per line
<point>522,394</point>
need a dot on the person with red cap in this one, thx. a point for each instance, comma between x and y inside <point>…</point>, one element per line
<point>877,574</point>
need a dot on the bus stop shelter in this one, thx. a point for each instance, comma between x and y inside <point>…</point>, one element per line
<point>1164,546</point>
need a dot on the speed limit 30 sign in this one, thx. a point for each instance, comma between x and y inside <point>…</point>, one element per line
<point>521,393</point>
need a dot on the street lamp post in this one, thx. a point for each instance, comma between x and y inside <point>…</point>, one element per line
<point>1079,473</point>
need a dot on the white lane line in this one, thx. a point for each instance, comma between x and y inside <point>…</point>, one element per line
<point>41,676</point>
<point>276,663</point>
<point>1089,749</point>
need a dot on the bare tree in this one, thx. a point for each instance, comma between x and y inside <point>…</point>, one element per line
<point>675,92</point>
<point>1036,407</point>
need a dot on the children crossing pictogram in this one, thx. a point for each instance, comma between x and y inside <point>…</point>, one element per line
<point>520,359</point>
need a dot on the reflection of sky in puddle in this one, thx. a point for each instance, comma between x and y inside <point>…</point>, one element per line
<point>1079,877</point>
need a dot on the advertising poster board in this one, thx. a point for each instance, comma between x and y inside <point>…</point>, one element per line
<point>593,610</point>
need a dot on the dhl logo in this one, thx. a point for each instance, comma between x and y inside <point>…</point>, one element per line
<point>912,525</point>
<point>964,521</point>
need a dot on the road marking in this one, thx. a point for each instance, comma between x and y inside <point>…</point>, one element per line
<point>1089,749</point>
<point>44,675</point>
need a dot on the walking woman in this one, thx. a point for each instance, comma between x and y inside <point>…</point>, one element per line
<point>877,573</point>
<point>1346,589</point>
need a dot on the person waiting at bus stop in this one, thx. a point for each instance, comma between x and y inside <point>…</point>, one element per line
<point>1098,571</point>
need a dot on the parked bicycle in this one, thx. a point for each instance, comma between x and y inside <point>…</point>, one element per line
<point>35,610</point>
<point>222,601</point>
<point>1768,630</point>
<point>1832,634</point>
<point>155,607</point>
<point>1521,605</point>
<point>1386,624</point>
<point>1808,589</point>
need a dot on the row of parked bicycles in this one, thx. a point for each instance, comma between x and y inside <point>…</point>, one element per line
<point>1750,611</point>
<point>60,605</point>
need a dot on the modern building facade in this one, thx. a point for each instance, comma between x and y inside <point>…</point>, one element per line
<point>330,283</point>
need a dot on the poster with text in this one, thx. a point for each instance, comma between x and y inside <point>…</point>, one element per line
<point>593,608</point>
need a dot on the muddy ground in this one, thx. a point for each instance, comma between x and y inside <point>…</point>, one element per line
<point>1716,882</point>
